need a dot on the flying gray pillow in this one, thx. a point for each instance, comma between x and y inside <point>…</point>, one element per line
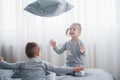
<point>48,8</point>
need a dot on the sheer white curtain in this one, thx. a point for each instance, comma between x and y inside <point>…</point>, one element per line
<point>99,19</point>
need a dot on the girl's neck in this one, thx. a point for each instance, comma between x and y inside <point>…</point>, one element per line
<point>74,40</point>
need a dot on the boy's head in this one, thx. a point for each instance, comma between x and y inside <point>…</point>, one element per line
<point>32,49</point>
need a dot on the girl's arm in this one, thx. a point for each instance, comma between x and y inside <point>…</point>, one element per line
<point>61,50</point>
<point>53,44</point>
<point>6,65</point>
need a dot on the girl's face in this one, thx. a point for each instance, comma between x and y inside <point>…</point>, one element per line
<point>74,31</point>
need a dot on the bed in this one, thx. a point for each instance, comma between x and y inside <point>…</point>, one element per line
<point>91,74</point>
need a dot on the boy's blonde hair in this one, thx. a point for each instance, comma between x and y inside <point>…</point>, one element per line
<point>79,28</point>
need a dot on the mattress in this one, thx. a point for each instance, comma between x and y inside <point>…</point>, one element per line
<point>90,74</point>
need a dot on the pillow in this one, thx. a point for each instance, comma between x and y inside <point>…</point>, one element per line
<point>48,8</point>
<point>16,74</point>
<point>50,76</point>
<point>5,73</point>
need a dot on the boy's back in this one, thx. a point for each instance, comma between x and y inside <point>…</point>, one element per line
<point>34,68</point>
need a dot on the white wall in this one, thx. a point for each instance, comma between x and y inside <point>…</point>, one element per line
<point>118,25</point>
<point>99,30</point>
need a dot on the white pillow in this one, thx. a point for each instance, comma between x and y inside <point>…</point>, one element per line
<point>48,8</point>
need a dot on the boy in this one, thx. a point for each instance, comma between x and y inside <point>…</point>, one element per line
<point>35,68</point>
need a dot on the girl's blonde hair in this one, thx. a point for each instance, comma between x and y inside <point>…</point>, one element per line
<point>79,28</point>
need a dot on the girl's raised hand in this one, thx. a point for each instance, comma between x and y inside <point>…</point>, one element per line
<point>52,43</point>
<point>82,49</point>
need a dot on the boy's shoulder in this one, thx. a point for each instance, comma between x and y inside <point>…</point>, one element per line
<point>34,60</point>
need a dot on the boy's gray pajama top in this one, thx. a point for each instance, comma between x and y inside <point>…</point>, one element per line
<point>34,68</point>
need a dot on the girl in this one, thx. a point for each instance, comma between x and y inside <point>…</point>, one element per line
<point>74,48</point>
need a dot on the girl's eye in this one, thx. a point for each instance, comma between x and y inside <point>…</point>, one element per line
<point>74,29</point>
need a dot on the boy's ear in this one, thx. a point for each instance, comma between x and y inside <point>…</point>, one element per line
<point>38,52</point>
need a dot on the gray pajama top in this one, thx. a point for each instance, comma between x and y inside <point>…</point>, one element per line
<point>74,56</point>
<point>34,68</point>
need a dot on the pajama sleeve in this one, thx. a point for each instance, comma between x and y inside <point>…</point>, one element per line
<point>57,69</point>
<point>61,50</point>
<point>13,66</point>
